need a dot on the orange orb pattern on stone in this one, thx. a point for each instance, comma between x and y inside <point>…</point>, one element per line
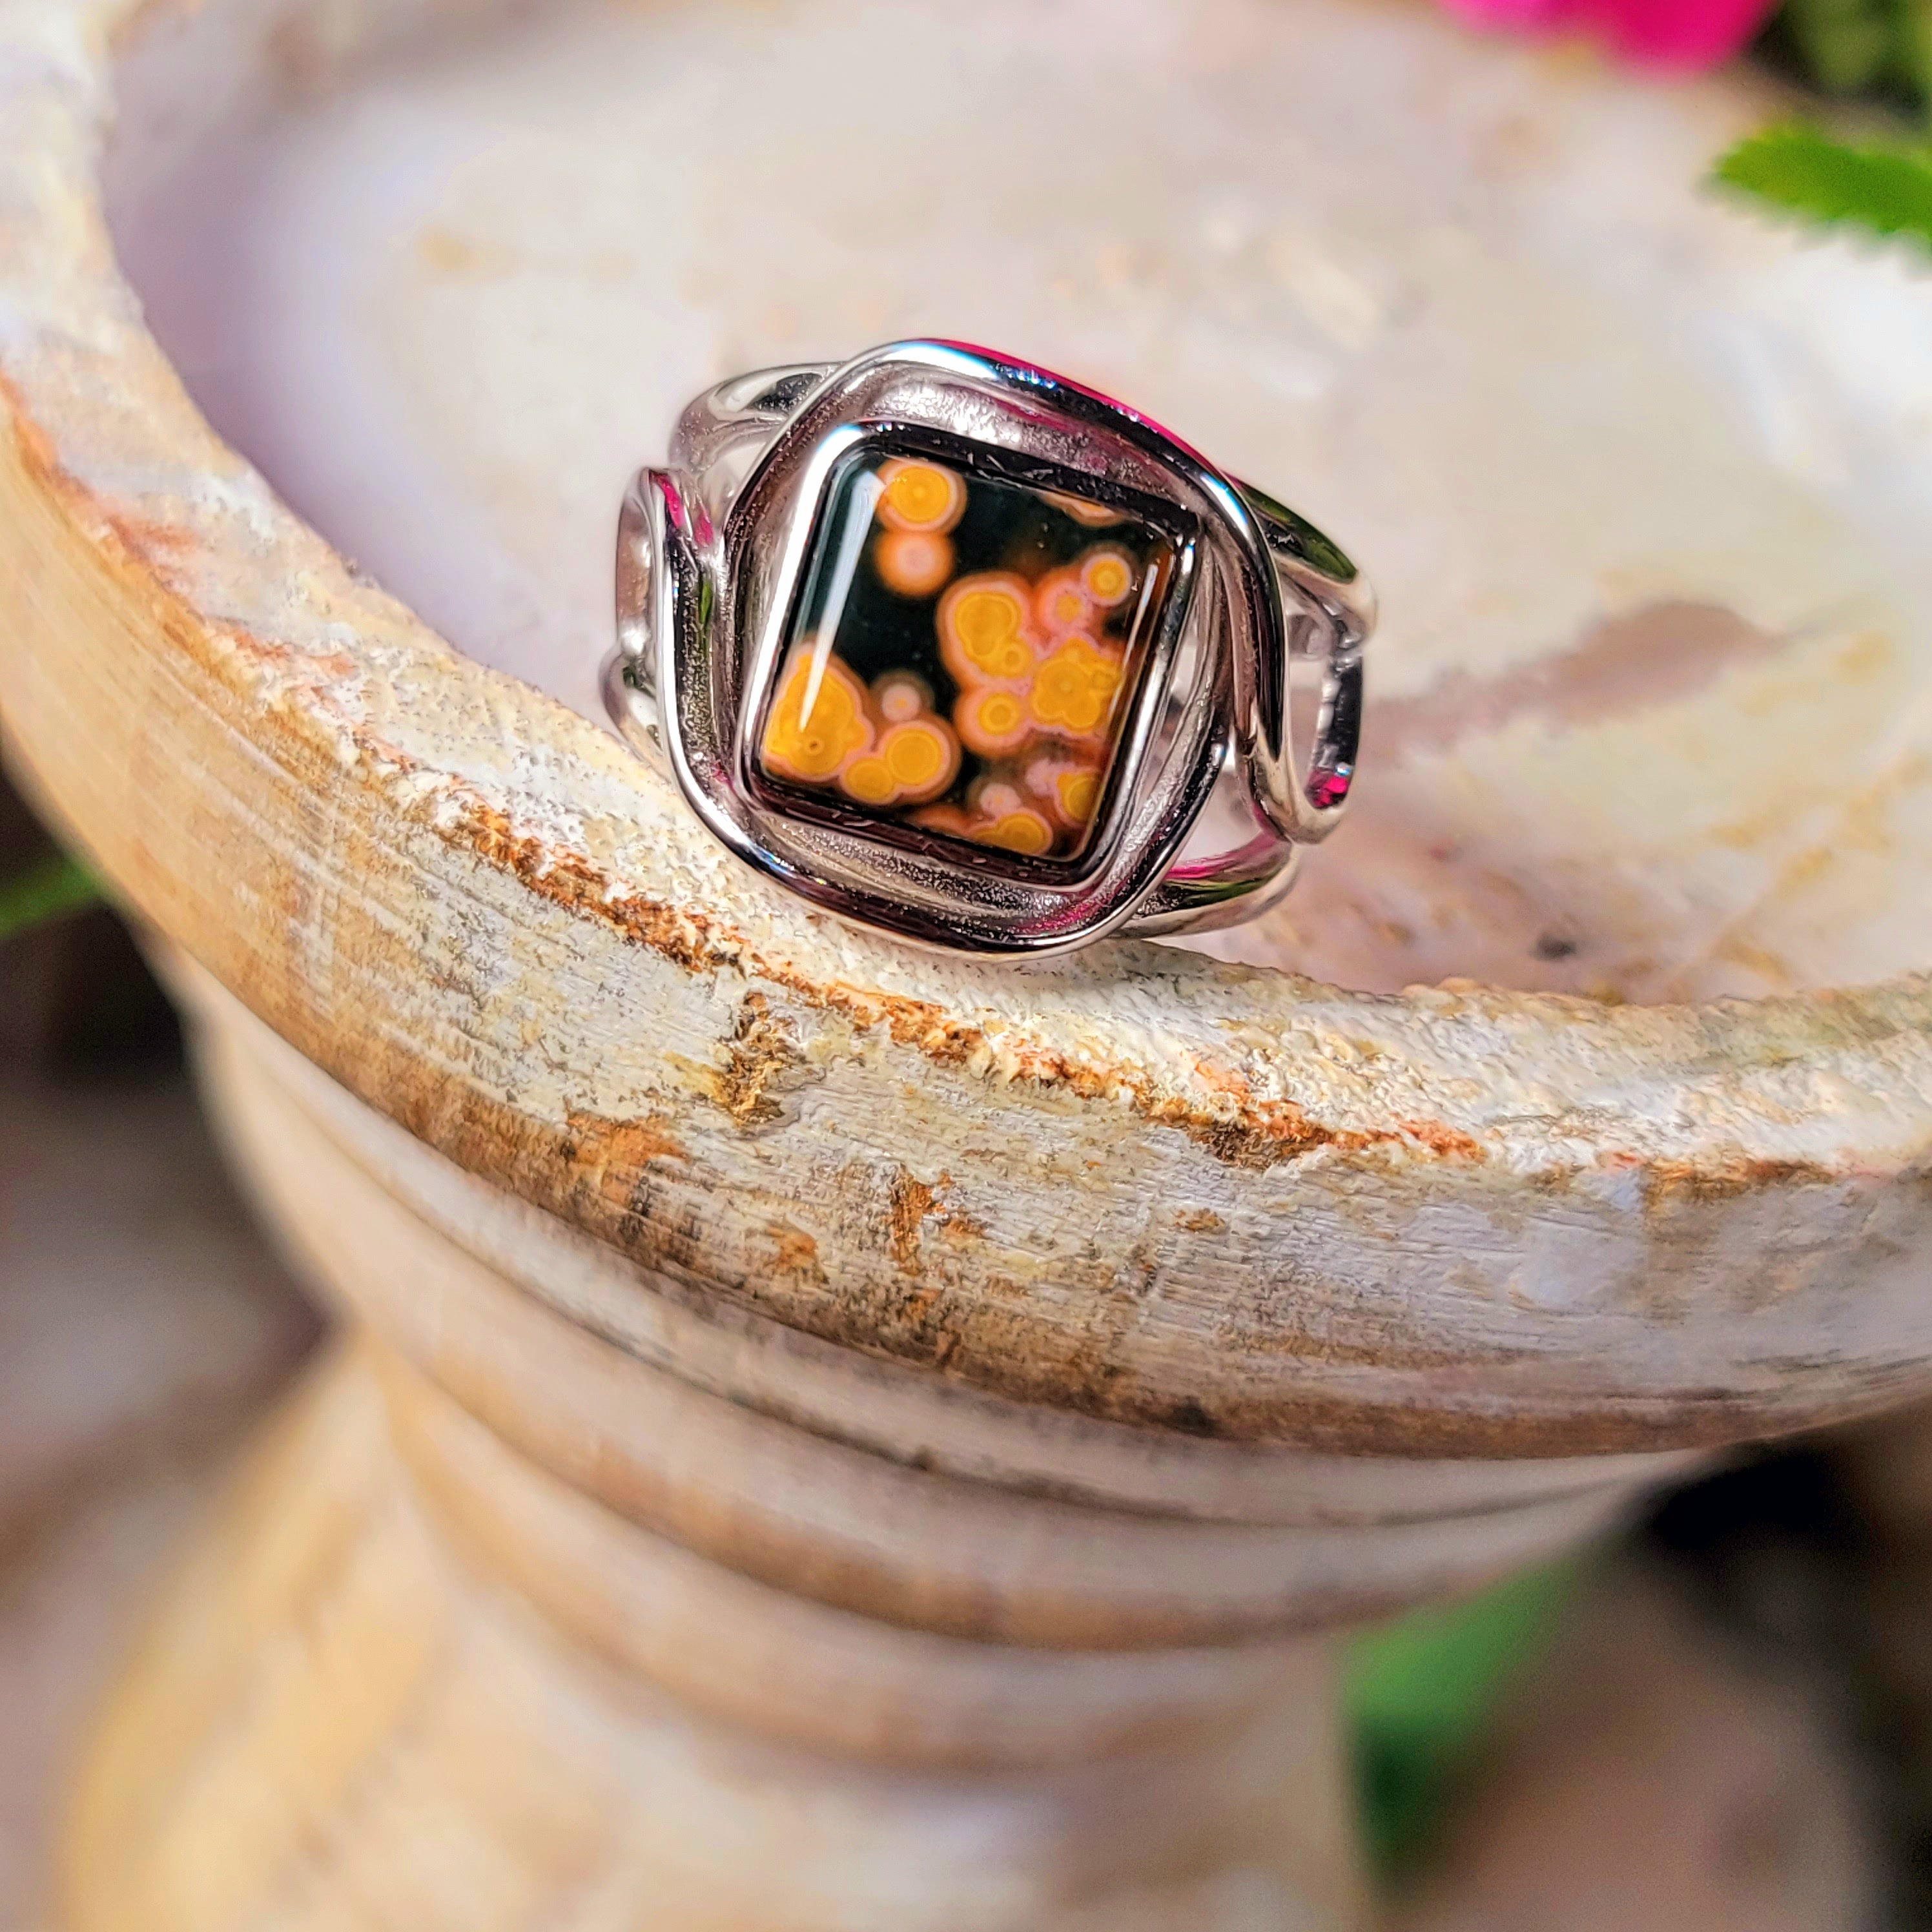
<point>1106,576</point>
<point>993,719</point>
<point>1061,604</point>
<point>900,695</point>
<point>915,563</point>
<point>1095,516</point>
<point>1067,789</point>
<point>1076,792</point>
<point>819,721</point>
<point>920,497</point>
<point>880,748</point>
<point>1022,831</point>
<point>1074,690</point>
<point>922,756</point>
<point>984,634</point>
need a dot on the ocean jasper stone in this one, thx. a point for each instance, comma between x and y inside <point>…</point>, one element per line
<point>964,652</point>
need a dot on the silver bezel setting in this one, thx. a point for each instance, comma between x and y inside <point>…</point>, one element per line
<point>712,553</point>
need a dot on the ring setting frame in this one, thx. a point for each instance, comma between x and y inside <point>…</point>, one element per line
<point>713,551</point>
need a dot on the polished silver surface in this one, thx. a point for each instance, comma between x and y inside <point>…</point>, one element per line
<point>711,552</point>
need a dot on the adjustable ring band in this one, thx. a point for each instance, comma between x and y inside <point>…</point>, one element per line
<point>958,649</point>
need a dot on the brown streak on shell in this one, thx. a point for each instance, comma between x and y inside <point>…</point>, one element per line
<point>795,1252</point>
<point>761,1052</point>
<point>912,1202</point>
<point>1668,1184</point>
<point>1200,1221</point>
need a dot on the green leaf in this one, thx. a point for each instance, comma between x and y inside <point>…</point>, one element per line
<point>1419,1694</point>
<point>50,889</point>
<point>1802,171</point>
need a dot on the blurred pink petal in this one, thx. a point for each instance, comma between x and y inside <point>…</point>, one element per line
<point>1677,34</point>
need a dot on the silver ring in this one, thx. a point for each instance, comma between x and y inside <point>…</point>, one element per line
<point>956,648</point>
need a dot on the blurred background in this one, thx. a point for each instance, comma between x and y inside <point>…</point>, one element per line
<point>1721,1718</point>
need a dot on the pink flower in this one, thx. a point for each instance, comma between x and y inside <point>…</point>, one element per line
<point>1676,34</point>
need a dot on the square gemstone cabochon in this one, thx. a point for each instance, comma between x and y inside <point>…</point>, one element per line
<point>965,651</point>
